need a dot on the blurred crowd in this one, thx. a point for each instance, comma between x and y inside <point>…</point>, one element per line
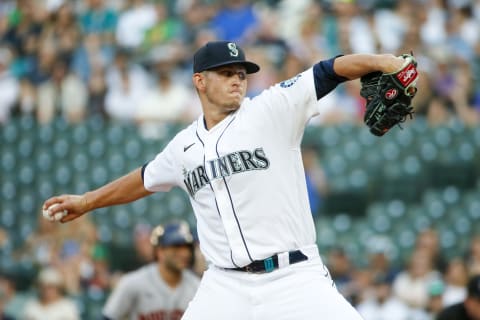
<point>130,60</point>
<point>69,262</point>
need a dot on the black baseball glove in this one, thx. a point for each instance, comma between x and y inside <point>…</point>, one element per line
<point>389,96</point>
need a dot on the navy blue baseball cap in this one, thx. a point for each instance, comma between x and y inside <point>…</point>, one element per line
<point>172,234</point>
<point>221,53</point>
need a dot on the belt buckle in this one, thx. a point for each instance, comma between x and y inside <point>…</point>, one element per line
<point>268,264</point>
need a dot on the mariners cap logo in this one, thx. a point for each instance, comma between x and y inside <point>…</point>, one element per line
<point>233,49</point>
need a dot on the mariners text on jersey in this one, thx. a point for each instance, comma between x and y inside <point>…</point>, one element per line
<point>232,163</point>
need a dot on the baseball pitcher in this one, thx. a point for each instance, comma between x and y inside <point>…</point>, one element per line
<point>241,165</point>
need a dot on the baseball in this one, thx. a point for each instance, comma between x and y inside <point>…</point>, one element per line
<point>57,216</point>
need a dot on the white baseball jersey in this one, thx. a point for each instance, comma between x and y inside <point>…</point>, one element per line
<point>143,294</point>
<point>245,176</point>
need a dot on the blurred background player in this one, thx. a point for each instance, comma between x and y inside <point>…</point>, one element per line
<point>161,289</point>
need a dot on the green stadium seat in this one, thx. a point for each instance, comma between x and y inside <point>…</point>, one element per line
<point>396,209</point>
<point>80,185</point>
<point>115,135</point>
<point>96,148</point>
<point>7,215</point>
<point>132,149</point>
<point>25,147</point>
<point>60,125</point>
<point>63,175</point>
<point>99,175</point>
<point>451,195</point>
<point>380,223</point>
<point>44,187</point>
<point>27,123</point>
<point>26,174</point>
<point>330,136</point>
<point>139,208</point>
<point>326,234</point>
<point>45,134</point>
<point>476,136</point>
<point>80,163</point>
<point>8,160</point>
<point>95,124</point>
<point>61,148</point>
<point>116,163</point>
<point>177,204</point>
<point>44,161</point>
<point>80,134</point>
<point>10,133</point>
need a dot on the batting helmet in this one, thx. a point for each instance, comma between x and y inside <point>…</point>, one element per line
<point>171,234</point>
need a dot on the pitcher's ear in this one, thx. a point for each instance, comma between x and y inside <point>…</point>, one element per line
<point>199,81</point>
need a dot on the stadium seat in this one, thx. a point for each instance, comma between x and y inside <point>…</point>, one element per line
<point>115,135</point>
<point>61,147</point>
<point>63,175</point>
<point>396,209</point>
<point>10,133</point>
<point>8,160</point>
<point>25,147</point>
<point>96,147</point>
<point>44,161</point>
<point>95,124</point>
<point>80,134</point>
<point>7,215</point>
<point>45,134</point>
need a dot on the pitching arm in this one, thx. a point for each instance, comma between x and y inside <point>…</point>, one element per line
<point>354,66</point>
<point>123,190</point>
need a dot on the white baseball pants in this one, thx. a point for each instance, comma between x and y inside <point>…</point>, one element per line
<point>299,291</point>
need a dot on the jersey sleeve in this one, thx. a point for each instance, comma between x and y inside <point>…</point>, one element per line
<point>120,302</point>
<point>290,104</point>
<point>159,174</point>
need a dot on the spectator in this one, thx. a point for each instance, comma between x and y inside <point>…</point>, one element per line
<point>411,285</point>
<point>62,31</point>
<point>434,304</point>
<point>456,278</point>
<point>166,102</point>
<point>50,303</point>
<point>167,29</point>
<point>380,249</point>
<point>473,256</point>
<point>126,85</point>
<point>383,305</point>
<point>99,279</point>
<point>9,86</point>
<point>469,309</point>
<point>11,302</point>
<point>428,242</point>
<point>134,22</point>
<point>100,20</point>
<point>63,94</point>
<point>341,271</point>
<point>235,21</point>
<point>97,91</point>
<point>92,54</point>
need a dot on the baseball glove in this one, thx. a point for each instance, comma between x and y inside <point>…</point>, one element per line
<point>389,96</point>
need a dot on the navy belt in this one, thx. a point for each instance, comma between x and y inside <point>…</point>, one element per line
<point>271,263</point>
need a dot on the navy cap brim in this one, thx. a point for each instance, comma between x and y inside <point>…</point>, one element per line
<point>250,67</point>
